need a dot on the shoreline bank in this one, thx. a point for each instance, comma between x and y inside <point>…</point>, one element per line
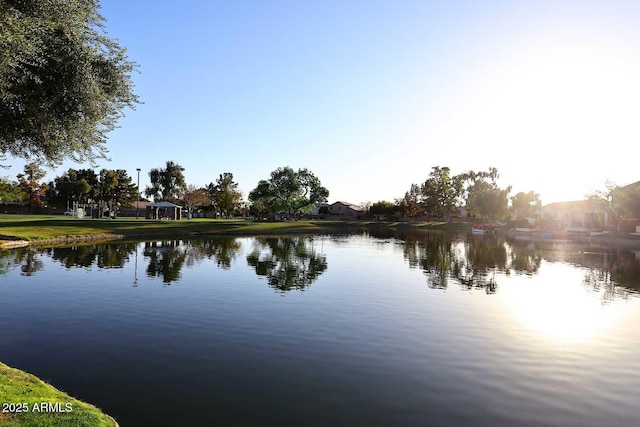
<point>28,400</point>
<point>16,232</point>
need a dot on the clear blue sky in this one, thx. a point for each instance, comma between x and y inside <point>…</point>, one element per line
<point>369,95</point>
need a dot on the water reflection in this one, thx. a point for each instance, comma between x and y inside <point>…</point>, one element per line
<point>222,250</point>
<point>8,261</point>
<point>107,255</point>
<point>287,262</point>
<point>166,259</point>
<point>28,259</point>
<point>474,262</point>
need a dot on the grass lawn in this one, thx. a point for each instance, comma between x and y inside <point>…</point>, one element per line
<point>27,401</point>
<point>46,228</point>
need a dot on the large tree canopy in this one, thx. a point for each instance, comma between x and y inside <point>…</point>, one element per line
<point>225,194</point>
<point>63,83</point>
<point>288,192</point>
<point>485,199</point>
<point>167,184</point>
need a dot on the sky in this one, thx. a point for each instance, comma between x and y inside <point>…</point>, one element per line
<point>370,95</point>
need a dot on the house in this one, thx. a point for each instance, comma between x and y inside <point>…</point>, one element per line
<point>575,216</point>
<point>319,209</point>
<point>346,210</point>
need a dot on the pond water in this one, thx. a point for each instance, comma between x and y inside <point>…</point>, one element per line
<point>423,329</point>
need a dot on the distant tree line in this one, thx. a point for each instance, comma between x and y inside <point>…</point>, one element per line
<point>442,195</point>
<point>290,193</point>
<point>108,188</point>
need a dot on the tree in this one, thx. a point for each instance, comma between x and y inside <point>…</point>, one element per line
<point>73,186</point>
<point>616,202</point>
<point>441,192</point>
<point>485,199</point>
<point>382,209</point>
<point>525,205</point>
<point>288,192</point>
<point>63,82</point>
<point>166,184</point>
<point>262,201</point>
<point>10,191</point>
<point>115,187</point>
<point>627,200</point>
<point>30,184</point>
<point>225,194</point>
<point>194,197</point>
<point>413,201</point>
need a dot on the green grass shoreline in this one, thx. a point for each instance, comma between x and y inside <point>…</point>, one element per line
<point>27,401</point>
<point>42,229</point>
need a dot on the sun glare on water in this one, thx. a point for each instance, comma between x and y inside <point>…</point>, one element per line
<point>558,308</point>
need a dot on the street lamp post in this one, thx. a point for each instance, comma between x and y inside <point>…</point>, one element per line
<point>138,201</point>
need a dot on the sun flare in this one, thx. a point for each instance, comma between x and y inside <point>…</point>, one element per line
<point>559,309</point>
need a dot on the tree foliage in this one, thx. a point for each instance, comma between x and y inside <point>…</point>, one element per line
<point>115,187</point>
<point>440,192</point>
<point>485,199</point>
<point>73,185</point>
<point>63,82</point>
<point>288,192</point>
<point>525,205</point>
<point>168,183</point>
<point>30,184</point>
<point>617,202</point>
<point>225,195</point>
<point>112,186</point>
<point>627,201</point>
<point>413,201</point>
<point>382,209</point>
<point>194,197</point>
<point>10,191</point>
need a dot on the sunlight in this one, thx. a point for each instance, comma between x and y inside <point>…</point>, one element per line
<point>552,105</point>
<point>559,309</point>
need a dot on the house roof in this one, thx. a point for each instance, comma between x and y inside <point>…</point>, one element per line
<point>632,185</point>
<point>564,205</point>
<point>349,205</point>
<point>164,205</point>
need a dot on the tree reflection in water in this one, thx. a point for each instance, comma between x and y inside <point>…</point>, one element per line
<point>166,259</point>
<point>293,262</point>
<point>9,260</point>
<point>105,255</point>
<point>31,262</point>
<point>471,262</point>
<point>613,274</point>
<point>431,252</point>
<point>222,250</point>
<point>287,262</point>
<point>28,259</point>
